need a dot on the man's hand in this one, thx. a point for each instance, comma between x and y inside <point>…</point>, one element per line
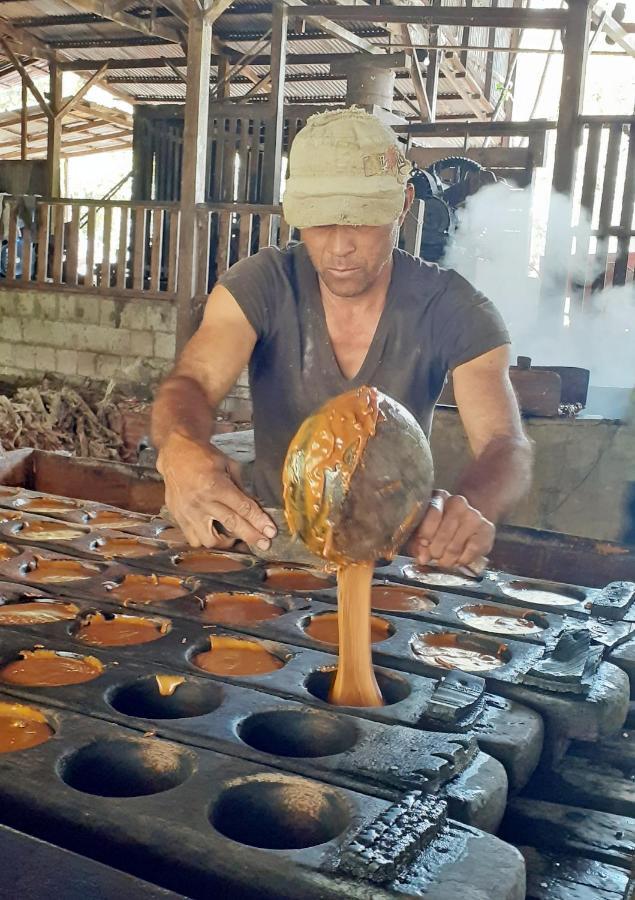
<point>452,533</point>
<point>202,487</point>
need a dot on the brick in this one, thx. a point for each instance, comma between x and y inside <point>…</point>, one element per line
<point>45,359</point>
<point>66,362</point>
<point>6,353</point>
<point>109,312</point>
<point>165,345</point>
<point>24,357</point>
<point>161,316</point>
<point>88,309</point>
<point>106,366</point>
<point>142,343</point>
<point>86,363</point>
<point>66,307</point>
<point>45,307</point>
<point>11,328</point>
<point>134,315</point>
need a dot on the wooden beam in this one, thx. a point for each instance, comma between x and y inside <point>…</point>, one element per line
<point>24,137</point>
<point>416,14</point>
<point>25,42</point>
<point>151,27</point>
<point>216,9</point>
<point>274,132</point>
<point>615,30</point>
<point>26,78</point>
<point>81,93</point>
<point>54,141</point>
<point>316,13</point>
<point>418,80</point>
<point>476,129</point>
<point>193,173</point>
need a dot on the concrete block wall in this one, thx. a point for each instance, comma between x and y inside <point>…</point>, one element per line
<point>77,335</point>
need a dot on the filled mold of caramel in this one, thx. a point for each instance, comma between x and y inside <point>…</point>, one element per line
<point>502,620</point>
<point>58,571</point>
<point>38,611</point>
<point>110,518</point>
<point>288,578</point>
<point>455,651</point>
<point>437,577</point>
<point>169,534</point>
<point>45,505</point>
<point>400,598</point>
<point>22,727</point>
<point>127,547</point>
<point>542,594</point>
<point>235,608</point>
<point>323,628</point>
<point>147,589</point>
<point>106,629</point>
<point>8,490</point>
<point>46,531</point>
<point>209,561</point>
<point>236,657</point>
<point>8,552</point>
<point>10,515</point>
<point>50,668</point>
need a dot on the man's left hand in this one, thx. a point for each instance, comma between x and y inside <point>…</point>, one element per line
<point>452,533</point>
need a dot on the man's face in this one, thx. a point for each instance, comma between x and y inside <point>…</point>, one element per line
<point>350,258</point>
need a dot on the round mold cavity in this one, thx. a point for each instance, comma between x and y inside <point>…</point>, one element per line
<point>147,589</point>
<point>298,733</point>
<point>58,571</point>
<point>543,593</point>
<point>166,697</point>
<point>22,727</point>
<point>239,608</point>
<point>437,577</point>
<point>235,657</point>
<point>209,562</point>
<point>8,552</point>
<point>127,767</point>
<point>280,812</point>
<point>322,627</point>
<point>502,619</point>
<point>293,578</point>
<point>393,688</point>
<point>109,629</point>
<point>448,650</point>
<point>49,668</point>
<point>401,598</point>
<point>36,611</point>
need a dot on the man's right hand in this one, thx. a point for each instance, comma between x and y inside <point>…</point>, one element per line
<point>202,487</point>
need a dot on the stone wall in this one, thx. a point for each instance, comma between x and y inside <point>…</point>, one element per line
<point>77,335</point>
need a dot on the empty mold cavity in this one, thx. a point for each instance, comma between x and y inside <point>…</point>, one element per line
<point>127,767</point>
<point>543,593</point>
<point>280,812</point>
<point>298,733</point>
<point>22,727</point>
<point>323,628</point>
<point>438,577</point>
<point>207,562</point>
<point>448,650</point>
<point>502,619</point>
<point>401,598</point>
<point>235,657</point>
<point>166,697</point>
<point>288,578</point>
<point>393,688</point>
<point>236,608</point>
<point>40,611</point>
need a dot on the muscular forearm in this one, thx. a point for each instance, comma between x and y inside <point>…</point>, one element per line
<point>181,406</point>
<point>499,476</point>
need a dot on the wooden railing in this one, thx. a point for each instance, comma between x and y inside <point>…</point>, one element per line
<point>109,247</point>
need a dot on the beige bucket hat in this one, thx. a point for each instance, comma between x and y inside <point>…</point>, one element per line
<point>345,168</point>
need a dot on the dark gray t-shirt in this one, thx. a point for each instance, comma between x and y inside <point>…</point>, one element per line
<point>433,321</point>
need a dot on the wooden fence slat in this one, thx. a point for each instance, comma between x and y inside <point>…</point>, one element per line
<point>12,249</point>
<point>43,217</point>
<point>606,206</point>
<point>266,228</point>
<point>584,229</point>
<point>254,163</point>
<point>72,249</point>
<point>58,242</point>
<point>626,217</point>
<point>105,263</point>
<point>138,249</point>
<point>203,225</point>
<point>27,253</point>
<point>91,221</point>
<point>243,162</point>
<point>224,240</point>
<point>285,232</point>
<point>244,235</point>
<point>122,251</point>
<point>156,252</point>
<point>173,250</point>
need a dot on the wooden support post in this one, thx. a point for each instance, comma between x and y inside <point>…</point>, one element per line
<point>24,125</point>
<point>199,48</point>
<point>222,84</point>
<point>274,131</point>
<point>54,142</point>
<point>568,139</point>
<point>432,80</point>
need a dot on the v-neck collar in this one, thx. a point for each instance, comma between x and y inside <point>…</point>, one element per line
<point>376,348</point>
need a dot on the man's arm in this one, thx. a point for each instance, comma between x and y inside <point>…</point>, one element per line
<point>201,484</point>
<point>459,528</point>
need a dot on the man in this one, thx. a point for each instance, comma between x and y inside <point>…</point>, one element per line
<point>341,309</point>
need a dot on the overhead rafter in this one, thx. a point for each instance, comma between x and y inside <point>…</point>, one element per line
<point>325,21</point>
<point>26,78</point>
<point>614,29</point>
<point>415,14</point>
<point>26,43</point>
<point>80,94</point>
<point>150,27</point>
